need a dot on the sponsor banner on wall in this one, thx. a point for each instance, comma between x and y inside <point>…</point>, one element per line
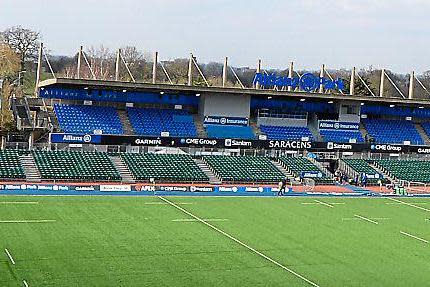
<point>225,121</point>
<point>336,125</point>
<point>115,188</point>
<point>75,138</point>
<point>311,174</point>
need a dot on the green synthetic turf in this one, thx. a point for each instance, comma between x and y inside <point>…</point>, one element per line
<point>127,241</point>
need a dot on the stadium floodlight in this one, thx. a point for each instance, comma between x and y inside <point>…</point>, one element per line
<point>197,95</point>
<point>392,106</point>
<point>86,88</point>
<point>302,100</point>
<point>161,93</point>
<point>124,91</point>
<point>330,102</point>
<point>421,107</point>
<point>362,104</point>
<point>269,97</point>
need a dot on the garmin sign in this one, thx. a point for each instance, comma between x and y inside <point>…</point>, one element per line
<point>225,121</point>
<point>307,82</point>
<point>334,125</point>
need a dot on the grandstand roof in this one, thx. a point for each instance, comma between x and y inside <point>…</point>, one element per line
<point>168,88</point>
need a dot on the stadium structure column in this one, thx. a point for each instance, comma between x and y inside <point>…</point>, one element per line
<point>154,68</point>
<point>224,72</point>
<point>39,68</point>
<point>352,83</point>
<point>321,89</point>
<point>78,72</point>
<point>381,86</point>
<point>118,55</point>
<point>190,70</point>
<point>290,74</point>
<point>257,85</point>
<point>411,85</point>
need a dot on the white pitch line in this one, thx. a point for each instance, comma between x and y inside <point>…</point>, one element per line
<point>240,242</point>
<point>367,219</point>
<point>19,202</point>
<point>10,256</point>
<point>163,203</point>
<point>323,203</point>
<point>316,203</point>
<point>409,204</point>
<point>373,218</point>
<point>204,219</point>
<point>413,236</point>
<point>25,283</point>
<point>27,221</point>
<point>398,203</point>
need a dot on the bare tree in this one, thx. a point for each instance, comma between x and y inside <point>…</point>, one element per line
<point>23,41</point>
<point>9,61</point>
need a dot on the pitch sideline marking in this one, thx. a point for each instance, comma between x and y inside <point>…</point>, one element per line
<point>323,203</point>
<point>239,242</point>
<point>409,204</point>
<point>19,202</point>
<point>25,283</point>
<point>316,203</point>
<point>413,236</point>
<point>27,221</point>
<point>367,219</point>
<point>194,220</point>
<point>163,203</point>
<point>10,256</point>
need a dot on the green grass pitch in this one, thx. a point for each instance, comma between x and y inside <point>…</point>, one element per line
<point>145,241</point>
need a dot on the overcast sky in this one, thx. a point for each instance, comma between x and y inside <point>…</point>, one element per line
<point>392,34</point>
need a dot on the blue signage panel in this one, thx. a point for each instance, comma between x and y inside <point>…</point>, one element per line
<point>307,82</point>
<point>311,174</point>
<point>225,121</point>
<point>75,138</point>
<point>335,125</point>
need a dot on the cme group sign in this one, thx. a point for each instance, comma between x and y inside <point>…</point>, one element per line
<point>307,82</point>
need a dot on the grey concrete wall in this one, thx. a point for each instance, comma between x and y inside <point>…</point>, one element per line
<point>225,105</point>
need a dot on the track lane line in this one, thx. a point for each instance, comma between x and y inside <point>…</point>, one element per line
<point>240,242</point>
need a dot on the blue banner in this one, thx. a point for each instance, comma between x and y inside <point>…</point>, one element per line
<point>311,174</point>
<point>225,121</point>
<point>335,125</point>
<point>75,138</point>
<point>307,82</point>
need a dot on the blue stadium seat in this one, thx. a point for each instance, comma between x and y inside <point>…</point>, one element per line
<point>86,119</point>
<point>426,127</point>
<point>151,122</point>
<point>235,132</point>
<point>393,131</point>
<point>341,136</point>
<point>286,133</point>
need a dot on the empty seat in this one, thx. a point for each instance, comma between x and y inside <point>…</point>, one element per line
<point>79,166</point>
<point>286,132</point>
<point>152,122</point>
<point>235,132</point>
<point>164,167</point>
<point>244,168</point>
<point>342,136</point>
<point>393,131</point>
<point>87,119</point>
<point>299,165</point>
<point>10,165</point>
<point>409,170</point>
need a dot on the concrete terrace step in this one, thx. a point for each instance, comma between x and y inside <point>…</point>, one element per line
<point>123,170</point>
<point>213,179</point>
<point>125,122</point>
<point>32,174</point>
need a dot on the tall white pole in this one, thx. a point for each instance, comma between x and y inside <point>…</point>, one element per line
<point>257,85</point>
<point>321,89</point>
<point>381,86</point>
<point>352,83</point>
<point>118,55</point>
<point>154,68</point>
<point>411,85</point>
<point>190,70</point>
<point>78,73</point>
<point>290,73</point>
<point>224,72</point>
<point>39,69</point>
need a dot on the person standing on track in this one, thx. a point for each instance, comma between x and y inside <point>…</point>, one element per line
<point>282,186</point>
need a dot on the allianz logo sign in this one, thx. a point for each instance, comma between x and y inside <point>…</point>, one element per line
<point>76,138</point>
<point>338,125</point>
